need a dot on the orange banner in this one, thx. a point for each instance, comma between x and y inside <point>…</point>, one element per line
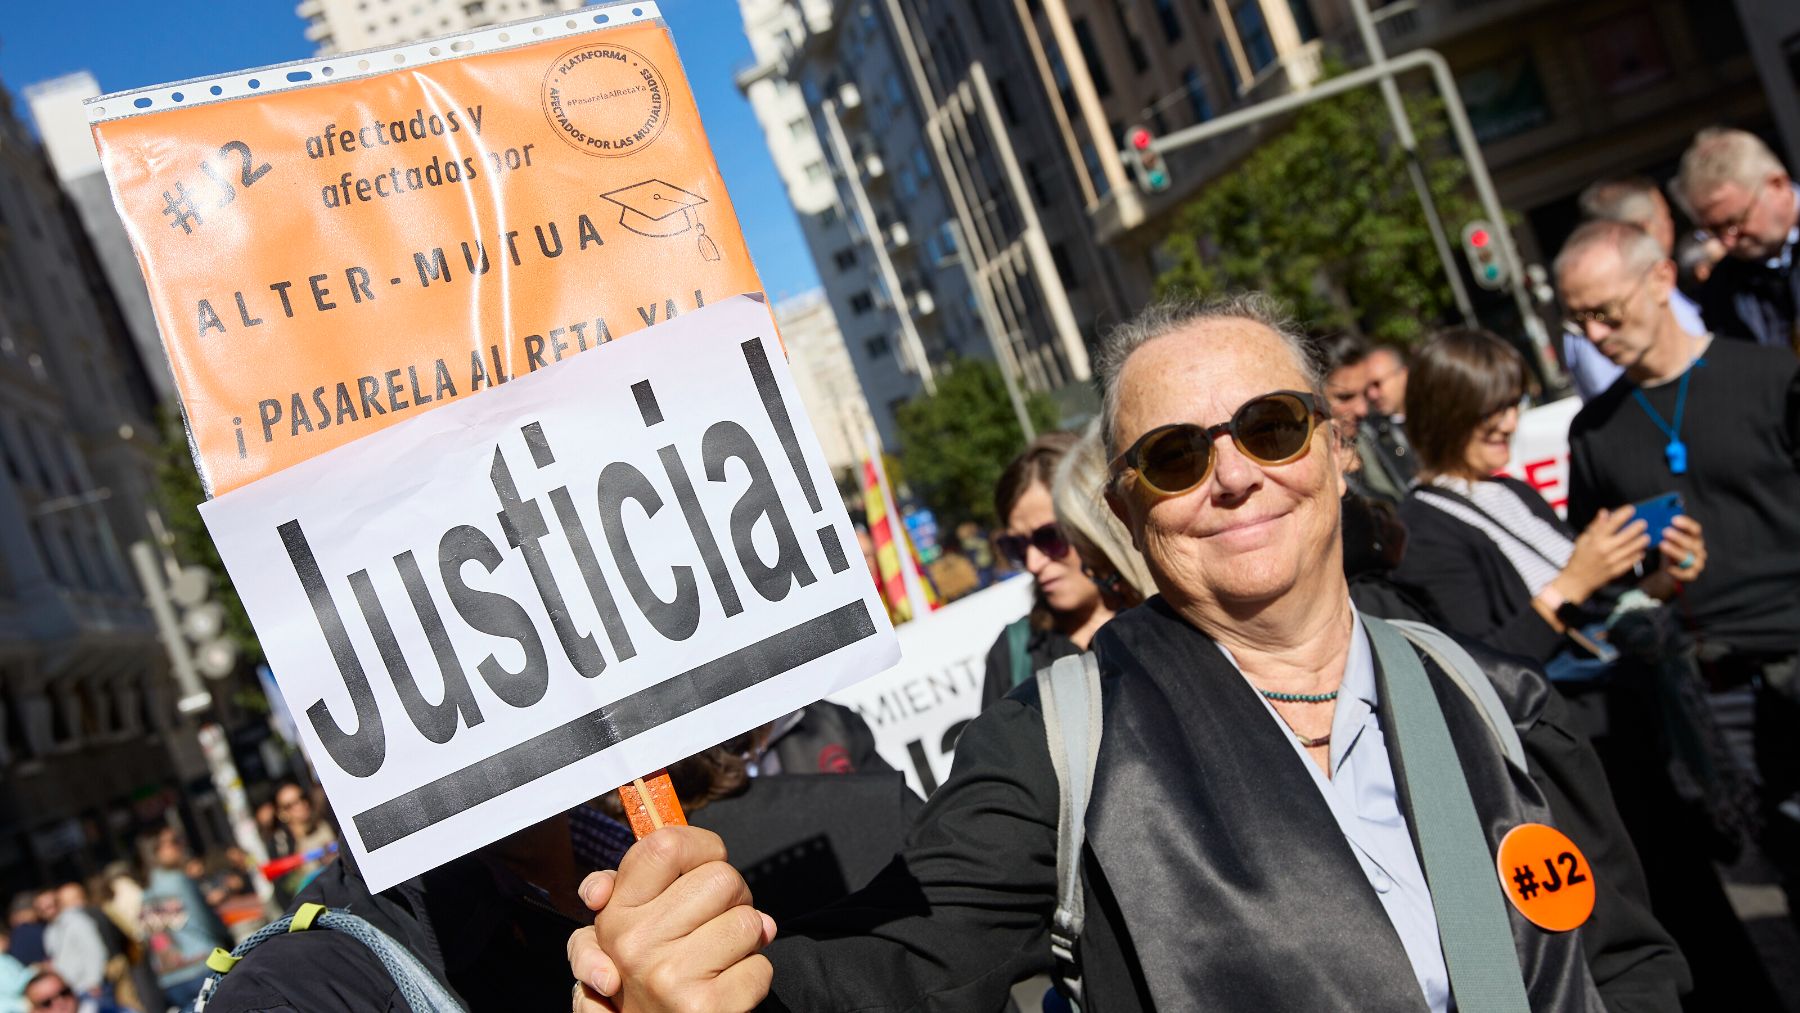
<point>328,259</point>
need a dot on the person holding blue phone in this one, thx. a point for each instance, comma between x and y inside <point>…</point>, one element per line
<point>1487,549</point>
<point>1505,570</point>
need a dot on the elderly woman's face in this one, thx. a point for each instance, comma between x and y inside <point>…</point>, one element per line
<point>1250,533</point>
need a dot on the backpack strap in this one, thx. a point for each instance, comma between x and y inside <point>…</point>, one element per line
<point>1018,638</point>
<point>421,989</point>
<point>1468,677</point>
<point>1473,925</point>
<point>1069,691</point>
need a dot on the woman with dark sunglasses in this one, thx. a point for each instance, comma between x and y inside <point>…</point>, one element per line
<point>1066,607</point>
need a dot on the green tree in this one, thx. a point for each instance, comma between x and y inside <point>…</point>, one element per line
<point>956,442</point>
<point>1325,217</point>
<point>179,489</point>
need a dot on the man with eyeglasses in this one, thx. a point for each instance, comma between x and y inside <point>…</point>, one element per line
<point>1735,189</point>
<point>1718,422</point>
<point>1634,200</point>
<point>1248,844</point>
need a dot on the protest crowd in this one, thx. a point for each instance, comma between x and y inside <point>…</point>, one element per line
<point>1316,705</point>
<point>137,936</point>
<point>1299,658</point>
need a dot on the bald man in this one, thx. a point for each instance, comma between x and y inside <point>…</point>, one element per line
<point>1717,421</point>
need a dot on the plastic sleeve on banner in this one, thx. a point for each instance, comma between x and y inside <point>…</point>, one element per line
<point>365,63</point>
<point>654,807</point>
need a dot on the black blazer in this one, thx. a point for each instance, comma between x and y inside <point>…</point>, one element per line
<point>1215,877</point>
<point>1458,568</point>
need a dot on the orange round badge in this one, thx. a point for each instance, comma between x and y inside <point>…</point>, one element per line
<point>1546,877</point>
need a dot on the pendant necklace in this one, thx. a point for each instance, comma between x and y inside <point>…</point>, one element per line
<point>1675,452</point>
<point>1323,740</point>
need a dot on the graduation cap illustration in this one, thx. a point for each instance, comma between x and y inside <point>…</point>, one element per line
<point>659,210</point>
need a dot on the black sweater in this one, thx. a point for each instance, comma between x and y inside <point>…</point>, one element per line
<point>1742,430</point>
<point>1458,568</point>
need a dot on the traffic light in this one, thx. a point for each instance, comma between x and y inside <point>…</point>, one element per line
<point>1486,262</point>
<point>1146,162</point>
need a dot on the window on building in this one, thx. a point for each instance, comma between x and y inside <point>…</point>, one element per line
<point>1034,179</point>
<point>921,160</point>
<point>828,217</point>
<point>861,303</point>
<point>908,181</point>
<point>1196,95</point>
<point>1091,156</point>
<point>845,259</point>
<point>1065,269</point>
<point>1171,21</point>
<point>1140,62</point>
<point>1003,99</point>
<point>1084,37</point>
<point>1229,64</point>
<point>816,171</point>
<point>1303,19</point>
<point>895,91</point>
<point>800,129</point>
<point>1253,32</point>
<point>876,347</point>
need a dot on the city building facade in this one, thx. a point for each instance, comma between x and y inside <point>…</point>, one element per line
<point>918,269</point>
<point>92,750</point>
<point>69,144</point>
<point>344,26</point>
<point>1559,92</point>
<point>826,378</point>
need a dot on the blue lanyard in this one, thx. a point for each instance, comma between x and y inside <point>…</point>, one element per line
<point>1675,452</point>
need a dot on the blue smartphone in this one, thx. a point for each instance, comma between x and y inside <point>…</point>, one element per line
<point>1657,512</point>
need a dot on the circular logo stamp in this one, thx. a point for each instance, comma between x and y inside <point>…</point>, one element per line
<point>606,100</point>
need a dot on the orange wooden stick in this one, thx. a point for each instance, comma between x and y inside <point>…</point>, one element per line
<point>650,803</point>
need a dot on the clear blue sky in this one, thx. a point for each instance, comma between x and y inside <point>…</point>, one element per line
<point>135,44</point>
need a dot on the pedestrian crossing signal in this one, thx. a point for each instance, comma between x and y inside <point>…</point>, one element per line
<point>1147,164</point>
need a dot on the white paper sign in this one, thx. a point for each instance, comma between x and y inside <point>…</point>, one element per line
<point>1540,451</point>
<point>918,708</point>
<point>514,603</point>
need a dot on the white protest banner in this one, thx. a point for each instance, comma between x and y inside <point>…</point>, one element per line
<point>1540,451</point>
<point>918,708</point>
<point>494,611</point>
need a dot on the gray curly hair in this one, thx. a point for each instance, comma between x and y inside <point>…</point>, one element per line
<point>1170,315</point>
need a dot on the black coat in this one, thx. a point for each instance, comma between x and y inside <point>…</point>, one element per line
<point>1459,569</point>
<point>1214,874</point>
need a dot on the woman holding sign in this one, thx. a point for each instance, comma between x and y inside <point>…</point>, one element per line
<point>1265,756</point>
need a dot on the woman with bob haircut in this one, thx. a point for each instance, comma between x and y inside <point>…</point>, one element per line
<point>1497,561</point>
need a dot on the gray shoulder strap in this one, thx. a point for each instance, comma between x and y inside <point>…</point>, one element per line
<point>1069,691</point>
<point>1468,676</point>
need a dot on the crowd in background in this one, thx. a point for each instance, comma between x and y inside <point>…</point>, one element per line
<point>1661,606</point>
<point>136,937</point>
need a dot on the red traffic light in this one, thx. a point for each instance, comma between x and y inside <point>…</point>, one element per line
<point>1140,139</point>
<point>1478,239</point>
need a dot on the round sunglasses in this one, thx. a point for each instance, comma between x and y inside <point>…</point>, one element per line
<point>1048,540</point>
<point>1271,429</point>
